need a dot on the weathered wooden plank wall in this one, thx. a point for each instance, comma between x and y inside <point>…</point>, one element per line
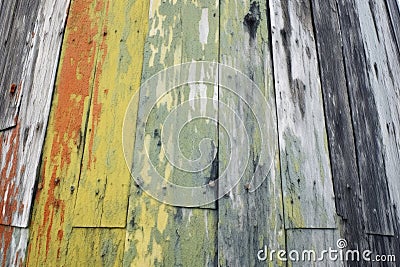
<point>330,74</point>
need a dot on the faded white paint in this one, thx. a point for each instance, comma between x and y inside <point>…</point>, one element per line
<point>307,178</point>
<point>203,27</point>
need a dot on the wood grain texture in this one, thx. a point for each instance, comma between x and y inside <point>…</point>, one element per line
<point>159,234</point>
<point>21,146</point>
<point>96,247</point>
<point>29,30</point>
<point>393,9</point>
<point>328,70</point>
<point>96,72</point>
<point>339,123</point>
<point>383,60</point>
<point>349,149</point>
<point>17,56</point>
<point>305,164</point>
<point>368,138</point>
<point>248,220</point>
<point>103,187</point>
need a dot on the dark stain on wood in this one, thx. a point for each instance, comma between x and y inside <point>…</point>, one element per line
<point>252,19</point>
<point>298,91</point>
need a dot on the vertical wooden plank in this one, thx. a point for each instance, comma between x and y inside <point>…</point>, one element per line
<point>368,137</point>
<point>339,123</point>
<point>103,190</point>
<point>365,69</point>
<point>53,211</point>
<point>393,7</point>
<point>23,44</point>
<point>159,234</point>
<point>35,104</point>
<point>383,61</point>
<point>21,146</point>
<point>251,214</point>
<point>305,166</point>
<point>81,86</point>
<point>17,25</point>
<point>102,247</point>
<point>386,246</point>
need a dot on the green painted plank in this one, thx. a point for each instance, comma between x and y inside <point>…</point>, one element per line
<point>160,234</point>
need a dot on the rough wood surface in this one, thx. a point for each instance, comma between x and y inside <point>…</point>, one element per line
<point>17,56</point>
<point>103,247</point>
<point>383,61</point>
<point>54,239</point>
<point>32,41</point>
<point>327,69</point>
<point>339,122</point>
<point>250,216</point>
<point>160,234</point>
<point>362,118</point>
<point>367,134</point>
<point>21,146</point>
<point>316,240</point>
<point>305,164</point>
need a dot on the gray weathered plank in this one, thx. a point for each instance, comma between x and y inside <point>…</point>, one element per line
<point>386,246</point>
<point>251,214</point>
<point>305,166</point>
<point>307,241</point>
<point>368,137</point>
<point>383,62</point>
<point>21,146</point>
<point>339,123</point>
<point>17,22</point>
<point>353,74</point>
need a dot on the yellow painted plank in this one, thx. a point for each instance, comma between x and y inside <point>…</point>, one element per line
<point>104,182</point>
<point>96,247</point>
<point>76,95</point>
